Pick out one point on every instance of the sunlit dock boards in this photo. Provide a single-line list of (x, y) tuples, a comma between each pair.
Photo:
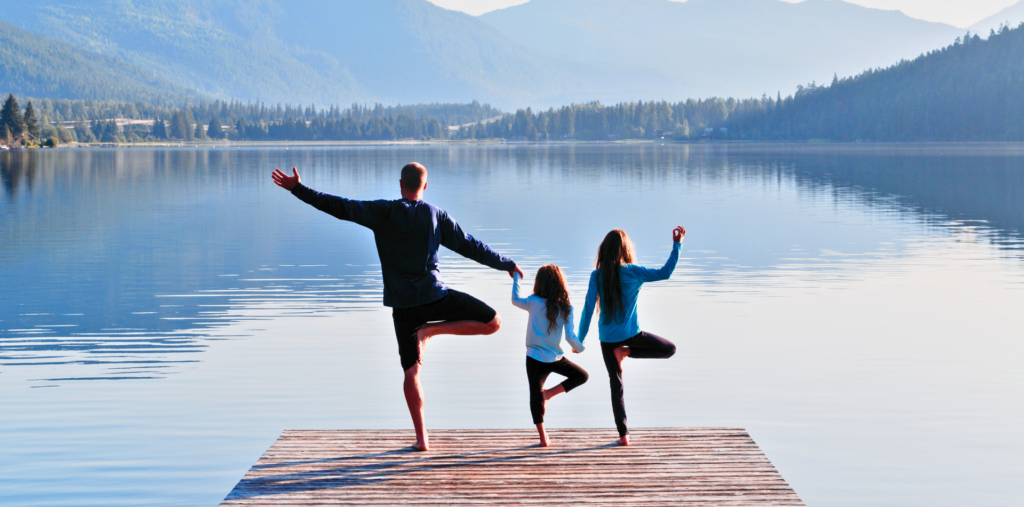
[(669, 466)]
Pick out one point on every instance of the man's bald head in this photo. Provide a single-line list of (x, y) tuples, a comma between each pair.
[(414, 176)]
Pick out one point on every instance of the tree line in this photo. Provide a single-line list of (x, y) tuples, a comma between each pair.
[(93, 121)]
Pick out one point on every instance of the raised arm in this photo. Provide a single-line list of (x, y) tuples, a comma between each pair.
[(570, 332), (365, 213), (517, 299), (652, 275), (588, 307), (454, 239)]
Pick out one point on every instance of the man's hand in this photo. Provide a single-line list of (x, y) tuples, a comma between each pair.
[(286, 182), (512, 274), (678, 234)]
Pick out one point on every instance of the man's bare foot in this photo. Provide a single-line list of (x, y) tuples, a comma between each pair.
[(421, 446), (620, 354), (623, 441)]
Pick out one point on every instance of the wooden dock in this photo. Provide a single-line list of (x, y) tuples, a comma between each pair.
[(669, 466)]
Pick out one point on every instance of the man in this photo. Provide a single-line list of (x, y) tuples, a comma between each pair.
[(408, 233)]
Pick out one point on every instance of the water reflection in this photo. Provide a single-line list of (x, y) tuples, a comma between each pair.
[(117, 264)]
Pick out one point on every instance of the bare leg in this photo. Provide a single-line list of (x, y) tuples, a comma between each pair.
[(550, 393), (414, 398), (456, 327), (620, 354), (544, 442)]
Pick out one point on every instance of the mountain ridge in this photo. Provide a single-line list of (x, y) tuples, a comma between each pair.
[(734, 47), (39, 66)]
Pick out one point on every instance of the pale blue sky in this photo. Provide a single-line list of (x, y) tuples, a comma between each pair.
[(962, 13)]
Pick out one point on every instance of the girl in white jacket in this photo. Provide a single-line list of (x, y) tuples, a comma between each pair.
[(551, 314)]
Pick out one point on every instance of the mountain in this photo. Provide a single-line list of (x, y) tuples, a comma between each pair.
[(722, 47), (968, 91), (1011, 16), (322, 51), (36, 66)]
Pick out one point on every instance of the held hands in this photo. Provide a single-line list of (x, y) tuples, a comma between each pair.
[(284, 181), (513, 273), (678, 234)]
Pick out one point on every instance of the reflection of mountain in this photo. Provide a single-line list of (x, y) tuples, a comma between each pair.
[(960, 182)]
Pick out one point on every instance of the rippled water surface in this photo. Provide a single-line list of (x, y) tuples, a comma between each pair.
[(164, 314)]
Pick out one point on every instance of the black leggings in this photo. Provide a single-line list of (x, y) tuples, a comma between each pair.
[(641, 346), (537, 372)]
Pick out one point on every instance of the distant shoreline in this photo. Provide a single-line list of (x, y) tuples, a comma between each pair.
[(500, 142)]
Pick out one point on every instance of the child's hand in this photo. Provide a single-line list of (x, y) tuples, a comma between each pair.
[(678, 234), (577, 351)]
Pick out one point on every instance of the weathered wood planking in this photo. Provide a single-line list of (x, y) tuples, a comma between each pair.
[(669, 466)]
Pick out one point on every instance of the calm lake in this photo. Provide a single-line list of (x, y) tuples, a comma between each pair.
[(166, 313)]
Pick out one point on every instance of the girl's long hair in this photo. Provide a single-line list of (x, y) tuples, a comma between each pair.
[(616, 249), (550, 285)]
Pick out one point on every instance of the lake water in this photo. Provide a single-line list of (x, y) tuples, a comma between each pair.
[(165, 313)]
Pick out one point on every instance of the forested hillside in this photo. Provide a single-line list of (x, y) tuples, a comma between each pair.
[(319, 51), (39, 66), (971, 90)]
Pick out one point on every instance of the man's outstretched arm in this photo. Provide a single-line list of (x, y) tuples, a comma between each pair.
[(456, 240), (365, 213)]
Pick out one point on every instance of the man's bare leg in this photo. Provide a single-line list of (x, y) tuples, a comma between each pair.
[(544, 442), (414, 398), (456, 327)]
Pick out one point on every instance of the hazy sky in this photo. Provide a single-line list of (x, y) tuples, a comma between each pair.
[(962, 13)]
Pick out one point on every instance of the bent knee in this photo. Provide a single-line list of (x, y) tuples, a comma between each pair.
[(670, 351), (584, 377), (494, 325)]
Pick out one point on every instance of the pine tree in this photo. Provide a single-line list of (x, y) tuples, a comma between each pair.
[(84, 133), (216, 131), (179, 128), (189, 121), (10, 117), (199, 132), (31, 121), (159, 130)]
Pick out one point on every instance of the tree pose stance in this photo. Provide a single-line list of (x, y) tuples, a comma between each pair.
[(550, 314), (408, 233), (615, 285)]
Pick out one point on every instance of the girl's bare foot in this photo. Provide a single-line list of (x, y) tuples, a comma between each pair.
[(620, 354), (550, 393), (623, 441), (544, 441), (421, 446)]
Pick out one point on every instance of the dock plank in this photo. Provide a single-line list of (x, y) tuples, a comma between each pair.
[(665, 466)]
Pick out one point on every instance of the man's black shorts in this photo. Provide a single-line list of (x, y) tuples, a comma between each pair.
[(454, 306)]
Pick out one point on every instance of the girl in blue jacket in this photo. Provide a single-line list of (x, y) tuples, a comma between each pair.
[(616, 285)]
